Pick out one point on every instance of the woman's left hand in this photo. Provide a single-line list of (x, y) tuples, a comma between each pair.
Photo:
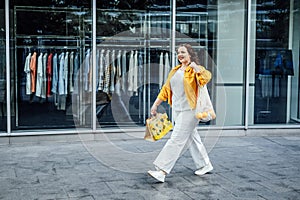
[(195, 66)]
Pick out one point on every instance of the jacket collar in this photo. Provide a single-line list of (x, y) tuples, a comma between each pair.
[(188, 68), (177, 67)]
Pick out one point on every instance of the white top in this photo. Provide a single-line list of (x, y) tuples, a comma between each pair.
[(179, 100)]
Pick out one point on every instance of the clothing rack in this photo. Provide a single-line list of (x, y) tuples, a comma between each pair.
[(47, 9), (43, 47), (110, 46)]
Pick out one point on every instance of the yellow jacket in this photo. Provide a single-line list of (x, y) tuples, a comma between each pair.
[(191, 81)]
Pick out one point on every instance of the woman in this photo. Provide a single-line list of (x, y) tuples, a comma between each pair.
[(180, 90)]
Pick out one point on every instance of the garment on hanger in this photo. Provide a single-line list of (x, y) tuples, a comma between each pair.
[(54, 88), (71, 86), (39, 77), (66, 73), (124, 71), (101, 70), (63, 80), (97, 68), (107, 72), (118, 74), (140, 76), (119, 67), (161, 70), (86, 69), (266, 85), (33, 72), (112, 72), (76, 73), (130, 72), (49, 74), (167, 67), (90, 74), (44, 76), (28, 74), (135, 72), (61, 74)]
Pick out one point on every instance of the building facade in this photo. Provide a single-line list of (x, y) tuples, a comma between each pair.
[(89, 65)]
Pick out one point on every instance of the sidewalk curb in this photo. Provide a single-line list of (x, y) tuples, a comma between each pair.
[(134, 134)]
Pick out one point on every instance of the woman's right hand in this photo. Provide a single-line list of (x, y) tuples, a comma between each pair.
[(154, 110)]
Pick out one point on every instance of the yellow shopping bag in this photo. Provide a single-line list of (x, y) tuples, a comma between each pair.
[(157, 127)]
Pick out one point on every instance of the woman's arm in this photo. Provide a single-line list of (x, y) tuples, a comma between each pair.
[(156, 103)]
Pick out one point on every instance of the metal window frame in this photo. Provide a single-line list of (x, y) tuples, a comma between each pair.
[(7, 60)]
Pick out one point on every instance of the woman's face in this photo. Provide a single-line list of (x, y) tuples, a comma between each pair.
[(183, 55)]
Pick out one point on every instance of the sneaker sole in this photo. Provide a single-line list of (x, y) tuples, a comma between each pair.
[(205, 172), (161, 181)]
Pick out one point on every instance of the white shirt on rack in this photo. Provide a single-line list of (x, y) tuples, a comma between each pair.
[(161, 69), (101, 70), (61, 84), (135, 72), (167, 67), (124, 71), (112, 71), (130, 72), (27, 71), (66, 73), (39, 76), (44, 76), (71, 86)]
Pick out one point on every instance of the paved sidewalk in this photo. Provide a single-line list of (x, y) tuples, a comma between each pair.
[(244, 168)]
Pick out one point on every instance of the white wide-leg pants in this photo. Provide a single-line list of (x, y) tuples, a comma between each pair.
[(185, 135)]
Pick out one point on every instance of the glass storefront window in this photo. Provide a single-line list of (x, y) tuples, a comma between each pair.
[(276, 81), (216, 29), (231, 65), (146, 33), (52, 71), (132, 41), (295, 85), (50, 43), (2, 69)]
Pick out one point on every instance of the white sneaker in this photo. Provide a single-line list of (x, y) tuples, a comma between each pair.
[(158, 175), (204, 170)]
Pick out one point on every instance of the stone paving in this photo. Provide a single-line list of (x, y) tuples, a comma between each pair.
[(244, 168)]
